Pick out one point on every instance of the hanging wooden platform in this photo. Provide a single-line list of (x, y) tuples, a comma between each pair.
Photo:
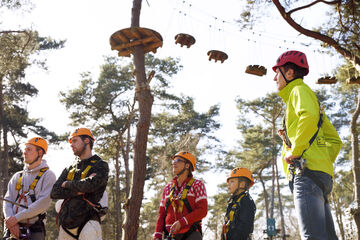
[(126, 39), (353, 80), (184, 39), (256, 70), (217, 55), (326, 80)]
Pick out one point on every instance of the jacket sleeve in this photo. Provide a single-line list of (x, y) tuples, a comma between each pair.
[(201, 206), (243, 223), (333, 141), (92, 183), (43, 200), (11, 194), (160, 223), (59, 192), (307, 110)]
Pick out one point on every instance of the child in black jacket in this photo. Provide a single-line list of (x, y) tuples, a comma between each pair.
[(240, 213)]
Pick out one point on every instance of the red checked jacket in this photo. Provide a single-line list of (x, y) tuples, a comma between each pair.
[(198, 201)]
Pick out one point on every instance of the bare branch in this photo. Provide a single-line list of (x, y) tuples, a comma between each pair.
[(316, 35)]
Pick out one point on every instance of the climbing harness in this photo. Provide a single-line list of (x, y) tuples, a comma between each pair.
[(101, 211), (230, 216), (19, 187), (182, 201)]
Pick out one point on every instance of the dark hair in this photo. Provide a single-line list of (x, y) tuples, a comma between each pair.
[(91, 141), (299, 72), (190, 169), (246, 180)]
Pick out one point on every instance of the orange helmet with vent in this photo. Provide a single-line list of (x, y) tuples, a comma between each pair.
[(40, 142), (241, 172), (81, 132), (188, 156)]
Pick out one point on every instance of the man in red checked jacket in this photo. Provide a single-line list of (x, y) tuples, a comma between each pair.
[(183, 203)]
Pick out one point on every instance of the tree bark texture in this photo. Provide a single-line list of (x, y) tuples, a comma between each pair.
[(356, 165), (145, 101), (117, 194)]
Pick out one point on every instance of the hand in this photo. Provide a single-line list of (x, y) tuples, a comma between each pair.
[(63, 184), (175, 227), (11, 221), (15, 230), (289, 158)]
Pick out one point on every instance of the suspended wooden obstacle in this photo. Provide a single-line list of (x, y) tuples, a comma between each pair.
[(256, 70), (326, 80), (353, 80), (217, 55), (184, 39), (126, 39)]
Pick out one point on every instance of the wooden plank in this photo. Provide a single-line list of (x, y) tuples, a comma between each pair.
[(135, 32), (152, 47)]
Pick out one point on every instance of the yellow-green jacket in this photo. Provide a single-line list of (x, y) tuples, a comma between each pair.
[(302, 116)]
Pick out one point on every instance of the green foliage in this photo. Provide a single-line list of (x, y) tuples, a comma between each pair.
[(217, 210)]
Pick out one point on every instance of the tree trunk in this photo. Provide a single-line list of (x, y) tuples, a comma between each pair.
[(265, 194), (355, 211), (2, 183), (117, 194), (338, 214), (283, 230), (145, 101)]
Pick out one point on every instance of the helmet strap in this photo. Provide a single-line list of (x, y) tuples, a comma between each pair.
[(182, 171), (37, 158), (287, 81), (237, 191)]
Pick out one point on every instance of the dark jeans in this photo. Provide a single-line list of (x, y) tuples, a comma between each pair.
[(313, 211), (193, 236)]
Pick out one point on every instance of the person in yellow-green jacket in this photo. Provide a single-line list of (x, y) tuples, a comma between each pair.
[(311, 145)]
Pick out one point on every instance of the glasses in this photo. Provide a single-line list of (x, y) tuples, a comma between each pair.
[(177, 160)]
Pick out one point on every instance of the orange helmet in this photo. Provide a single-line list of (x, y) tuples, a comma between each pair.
[(81, 132), (40, 142), (188, 156), (242, 172)]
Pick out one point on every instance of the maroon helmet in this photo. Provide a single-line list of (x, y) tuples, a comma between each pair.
[(296, 57)]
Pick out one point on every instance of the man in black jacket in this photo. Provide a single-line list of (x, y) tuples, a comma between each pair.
[(81, 186)]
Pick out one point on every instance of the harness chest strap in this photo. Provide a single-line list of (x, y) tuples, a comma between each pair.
[(230, 217), (183, 199), (32, 186), (19, 185), (71, 174)]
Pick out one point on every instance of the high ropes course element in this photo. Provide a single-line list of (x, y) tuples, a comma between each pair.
[(126, 39)]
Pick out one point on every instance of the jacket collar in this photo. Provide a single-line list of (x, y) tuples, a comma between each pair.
[(285, 92)]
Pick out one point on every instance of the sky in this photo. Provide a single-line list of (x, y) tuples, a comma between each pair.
[(87, 26)]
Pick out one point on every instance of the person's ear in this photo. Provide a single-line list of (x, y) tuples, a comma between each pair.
[(289, 73)]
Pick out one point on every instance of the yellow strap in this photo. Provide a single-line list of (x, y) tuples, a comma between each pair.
[(230, 218), (33, 185), (71, 174), (18, 183), (184, 194), (84, 173)]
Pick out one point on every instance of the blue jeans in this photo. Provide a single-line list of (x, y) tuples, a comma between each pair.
[(313, 212)]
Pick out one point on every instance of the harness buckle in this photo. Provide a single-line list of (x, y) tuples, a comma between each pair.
[(298, 164), (24, 233)]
